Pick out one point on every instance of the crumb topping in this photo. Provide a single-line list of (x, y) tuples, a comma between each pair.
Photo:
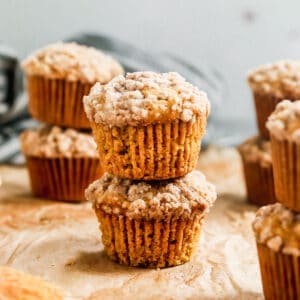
[(278, 228), (257, 150), (142, 98), (72, 62), (280, 79), (284, 122), (152, 200), (57, 142)]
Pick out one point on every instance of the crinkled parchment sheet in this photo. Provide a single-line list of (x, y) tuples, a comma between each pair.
[(61, 243)]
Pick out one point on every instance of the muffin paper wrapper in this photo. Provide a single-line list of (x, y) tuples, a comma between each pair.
[(259, 182), (149, 243), (264, 105), (62, 178), (280, 274), (57, 101), (159, 151), (286, 168)]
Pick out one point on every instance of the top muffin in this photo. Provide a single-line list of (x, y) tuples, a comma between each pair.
[(280, 79), (284, 122), (278, 228), (142, 98), (72, 62)]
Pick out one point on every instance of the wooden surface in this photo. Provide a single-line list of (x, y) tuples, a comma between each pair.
[(61, 243)]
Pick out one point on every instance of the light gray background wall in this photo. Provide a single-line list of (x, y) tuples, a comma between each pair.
[(233, 35)]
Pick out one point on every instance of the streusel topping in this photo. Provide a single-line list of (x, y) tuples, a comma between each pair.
[(256, 149), (152, 200), (278, 228), (72, 62), (284, 122), (142, 98), (56, 142), (280, 79)]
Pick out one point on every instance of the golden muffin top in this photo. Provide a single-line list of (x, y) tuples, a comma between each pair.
[(57, 142), (143, 98), (72, 62), (280, 79), (256, 149), (278, 228), (20, 286), (284, 122), (164, 199)]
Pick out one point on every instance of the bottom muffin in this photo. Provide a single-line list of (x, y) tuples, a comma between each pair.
[(61, 163), (277, 231), (151, 224), (258, 170)]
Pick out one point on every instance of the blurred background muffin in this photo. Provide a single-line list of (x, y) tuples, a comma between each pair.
[(284, 127), (59, 75), (60, 162), (16, 285), (277, 232), (258, 171), (271, 84)]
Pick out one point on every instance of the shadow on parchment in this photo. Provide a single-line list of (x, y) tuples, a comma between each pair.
[(98, 263)]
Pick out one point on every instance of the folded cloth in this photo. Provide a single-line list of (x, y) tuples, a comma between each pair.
[(205, 77)]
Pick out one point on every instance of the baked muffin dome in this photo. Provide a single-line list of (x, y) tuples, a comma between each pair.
[(143, 98), (73, 62)]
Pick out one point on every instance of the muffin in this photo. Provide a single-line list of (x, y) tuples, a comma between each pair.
[(59, 75), (284, 127), (277, 231), (271, 84), (15, 285), (147, 125), (151, 224), (258, 171), (61, 163)]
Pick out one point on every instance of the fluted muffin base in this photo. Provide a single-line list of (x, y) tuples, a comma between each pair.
[(58, 101), (286, 167), (62, 179), (151, 244), (159, 151), (264, 104), (259, 182), (280, 274)]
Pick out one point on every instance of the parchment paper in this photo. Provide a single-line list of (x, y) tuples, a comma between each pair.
[(61, 243)]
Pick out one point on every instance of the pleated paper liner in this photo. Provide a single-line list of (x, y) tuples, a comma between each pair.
[(265, 105), (280, 274), (259, 182), (149, 243), (286, 168), (58, 101), (153, 152), (62, 179)]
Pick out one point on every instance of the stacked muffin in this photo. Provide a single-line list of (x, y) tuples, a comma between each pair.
[(277, 226), (270, 84), (150, 203), (62, 161)]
